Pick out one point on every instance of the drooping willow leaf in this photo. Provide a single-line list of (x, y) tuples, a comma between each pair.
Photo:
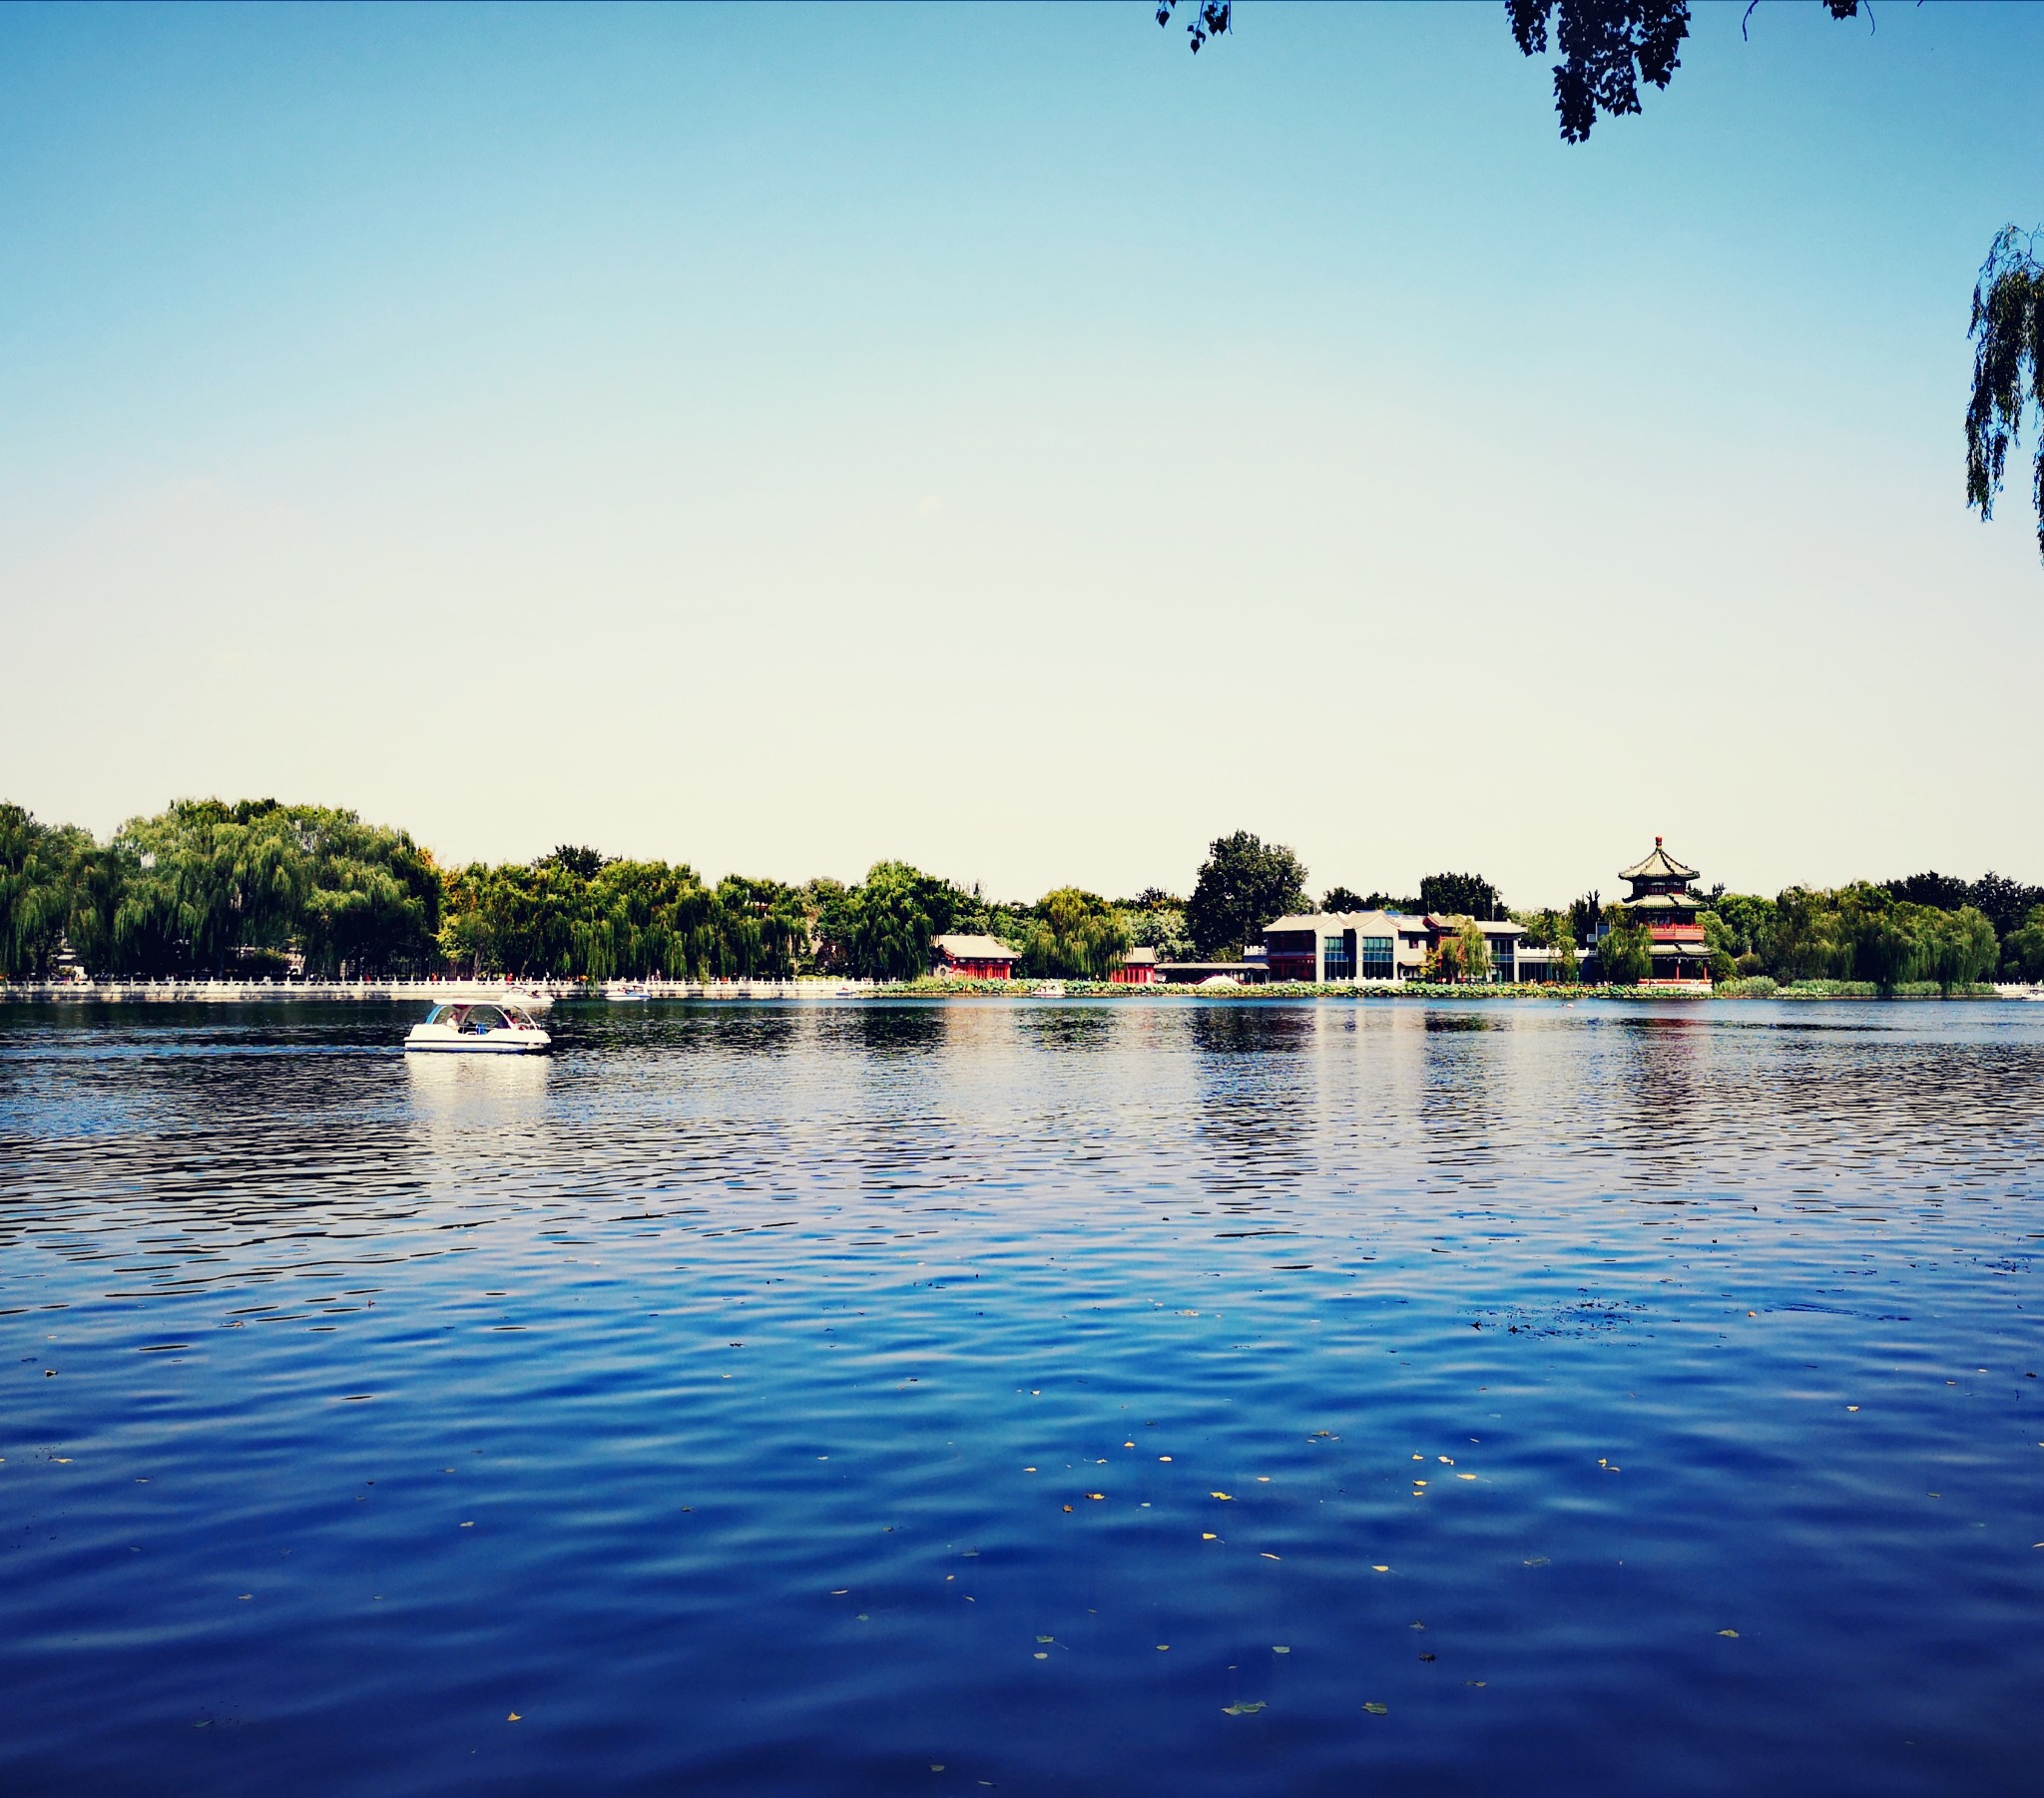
[(2008, 366)]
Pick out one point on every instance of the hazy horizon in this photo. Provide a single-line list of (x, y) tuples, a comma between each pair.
[(779, 439)]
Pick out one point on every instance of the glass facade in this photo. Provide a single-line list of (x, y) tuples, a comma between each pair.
[(1376, 958), (1338, 956)]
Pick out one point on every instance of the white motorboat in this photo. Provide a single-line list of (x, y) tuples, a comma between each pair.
[(627, 993), (476, 1026)]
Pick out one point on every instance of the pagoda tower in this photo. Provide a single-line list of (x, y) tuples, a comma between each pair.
[(1662, 901)]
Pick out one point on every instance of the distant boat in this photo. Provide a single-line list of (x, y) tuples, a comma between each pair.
[(477, 1028), (628, 993)]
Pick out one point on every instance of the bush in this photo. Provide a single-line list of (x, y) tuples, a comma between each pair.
[(1747, 986)]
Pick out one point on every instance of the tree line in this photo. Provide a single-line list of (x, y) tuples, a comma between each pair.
[(257, 887)]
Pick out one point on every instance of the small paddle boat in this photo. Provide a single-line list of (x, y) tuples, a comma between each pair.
[(474, 1028)]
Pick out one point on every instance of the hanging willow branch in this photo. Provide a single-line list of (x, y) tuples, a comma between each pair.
[(2008, 366)]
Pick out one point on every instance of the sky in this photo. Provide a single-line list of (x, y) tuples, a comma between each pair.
[(780, 438)]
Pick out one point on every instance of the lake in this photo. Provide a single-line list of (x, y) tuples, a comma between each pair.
[(1135, 1397)]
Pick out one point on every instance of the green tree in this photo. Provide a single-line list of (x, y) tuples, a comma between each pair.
[(2008, 367), (1625, 953), (1075, 936), (1242, 885), (36, 868), (1475, 952), (1960, 947), (1156, 920), (2023, 947), (1461, 896)]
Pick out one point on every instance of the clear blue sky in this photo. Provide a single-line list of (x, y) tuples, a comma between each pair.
[(779, 438)]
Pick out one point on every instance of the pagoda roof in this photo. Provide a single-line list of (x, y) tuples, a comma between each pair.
[(1658, 867), (1662, 902)]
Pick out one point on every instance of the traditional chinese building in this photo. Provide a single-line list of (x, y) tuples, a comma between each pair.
[(1138, 968), (971, 958), (1662, 901)]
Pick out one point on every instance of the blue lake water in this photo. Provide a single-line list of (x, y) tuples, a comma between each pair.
[(1059, 1399)]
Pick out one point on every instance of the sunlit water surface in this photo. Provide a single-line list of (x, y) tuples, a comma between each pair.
[(1065, 1399)]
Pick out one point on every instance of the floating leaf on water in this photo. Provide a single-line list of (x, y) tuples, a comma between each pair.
[(1068, 1507), (1732, 1632), (1041, 1656), (1243, 1707), (1208, 1536), (1538, 1560), (1164, 1647), (1096, 1494), (1267, 1556), (1381, 1570), (1472, 1476), (1378, 1710), (1221, 1495), (1046, 1638), (936, 1766), (1851, 1407), (514, 1717), (1279, 1649)]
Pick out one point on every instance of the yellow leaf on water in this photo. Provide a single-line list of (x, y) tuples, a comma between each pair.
[(1381, 1570), (1465, 1476), (1267, 1556), (1208, 1536), (1732, 1632), (512, 1718), (1046, 1638), (1096, 1494), (1221, 1495)]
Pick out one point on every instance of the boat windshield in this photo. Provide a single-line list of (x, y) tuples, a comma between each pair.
[(478, 1020)]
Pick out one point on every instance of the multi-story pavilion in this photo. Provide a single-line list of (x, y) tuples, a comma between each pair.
[(1662, 901)]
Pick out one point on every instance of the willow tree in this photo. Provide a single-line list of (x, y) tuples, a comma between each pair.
[(2008, 367)]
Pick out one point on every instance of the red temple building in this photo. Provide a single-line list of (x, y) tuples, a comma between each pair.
[(1662, 901), (971, 958)]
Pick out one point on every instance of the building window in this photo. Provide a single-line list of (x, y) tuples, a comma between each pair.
[(1338, 955), (1376, 958)]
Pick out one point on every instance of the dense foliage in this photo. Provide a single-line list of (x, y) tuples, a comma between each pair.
[(2008, 366), (1854, 933), (1242, 885), (1461, 896), (212, 888), (258, 887)]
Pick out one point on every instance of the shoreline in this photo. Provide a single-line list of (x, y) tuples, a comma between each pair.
[(819, 988)]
